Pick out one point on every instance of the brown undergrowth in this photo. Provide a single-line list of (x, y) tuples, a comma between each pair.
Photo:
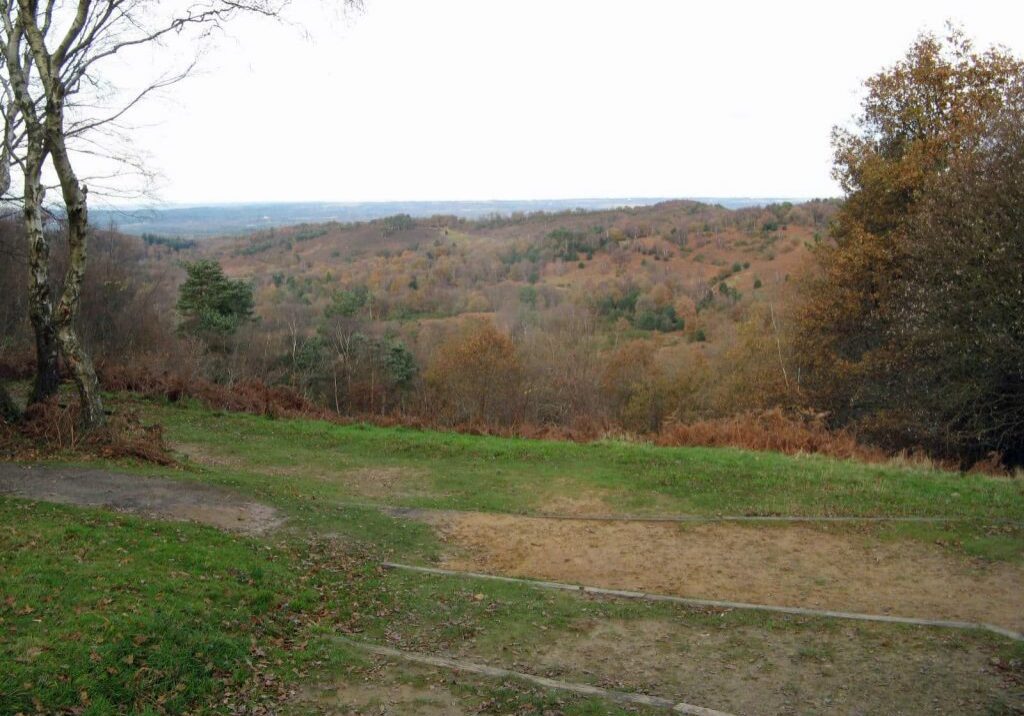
[(244, 396), (788, 432), (49, 428), (775, 430)]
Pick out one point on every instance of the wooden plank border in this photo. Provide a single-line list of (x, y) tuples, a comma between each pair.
[(715, 603), (444, 662)]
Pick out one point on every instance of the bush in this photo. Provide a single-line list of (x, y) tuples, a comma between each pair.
[(662, 319), (774, 430), (476, 376), (49, 429)]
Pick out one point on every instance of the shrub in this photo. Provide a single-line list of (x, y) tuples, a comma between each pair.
[(662, 319), (475, 377), (50, 429)]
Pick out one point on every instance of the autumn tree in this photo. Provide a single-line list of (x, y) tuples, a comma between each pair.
[(753, 370), (632, 383), (476, 376), (911, 329), (957, 334), (559, 354)]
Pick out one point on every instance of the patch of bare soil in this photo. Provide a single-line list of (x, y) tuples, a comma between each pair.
[(397, 699), (751, 671), (151, 496), (384, 691), (791, 566), (200, 454)]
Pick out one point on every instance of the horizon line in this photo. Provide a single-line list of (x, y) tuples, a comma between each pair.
[(358, 202)]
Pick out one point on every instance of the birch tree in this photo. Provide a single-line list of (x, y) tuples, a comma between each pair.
[(23, 147), (56, 56), (8, 410)]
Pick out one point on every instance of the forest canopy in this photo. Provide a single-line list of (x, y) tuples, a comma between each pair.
[(912, 330)]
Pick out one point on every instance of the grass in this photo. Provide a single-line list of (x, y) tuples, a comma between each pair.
[(518, 475), (308, 459), (100, 611), (104, 613)]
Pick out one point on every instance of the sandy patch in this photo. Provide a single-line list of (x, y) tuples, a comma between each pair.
[(792, 566), (200, 454), (754, 671), (150, 496), (392, 699)]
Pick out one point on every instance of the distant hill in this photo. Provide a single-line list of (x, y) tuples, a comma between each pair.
[(681, 272), (196, 221)]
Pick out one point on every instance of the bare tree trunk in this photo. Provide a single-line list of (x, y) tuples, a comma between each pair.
[(46, 137), (40, 301), (778, 346), (77, 359), (8, 408), (40, 297), (47, 379)]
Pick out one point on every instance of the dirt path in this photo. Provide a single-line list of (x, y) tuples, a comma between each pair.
[(769, 672), (150, 496), (790, 566)]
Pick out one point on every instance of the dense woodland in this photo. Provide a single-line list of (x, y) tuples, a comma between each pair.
[(626, 318), (894, 315)]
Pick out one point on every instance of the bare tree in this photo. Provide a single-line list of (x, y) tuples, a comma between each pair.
[(55, 59), (23, 147), (13, 302), (8, 410)]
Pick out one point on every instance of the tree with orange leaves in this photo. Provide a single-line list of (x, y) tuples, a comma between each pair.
[(476, 377), (911, 328)]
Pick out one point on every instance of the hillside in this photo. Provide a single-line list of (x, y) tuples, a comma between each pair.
[(628, 317), (696, 259)]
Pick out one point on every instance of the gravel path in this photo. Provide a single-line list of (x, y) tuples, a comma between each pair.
[(149, 496)]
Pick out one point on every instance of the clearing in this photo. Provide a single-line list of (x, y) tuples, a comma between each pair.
[(269, 540)]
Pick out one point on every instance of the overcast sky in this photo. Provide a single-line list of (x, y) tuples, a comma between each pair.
[(503, 99)]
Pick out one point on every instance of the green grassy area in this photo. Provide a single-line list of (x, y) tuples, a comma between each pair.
[(104, 613), (107, 613), (302, 460), (457, 471)]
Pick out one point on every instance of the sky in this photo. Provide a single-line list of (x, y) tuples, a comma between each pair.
[(528, 99)]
